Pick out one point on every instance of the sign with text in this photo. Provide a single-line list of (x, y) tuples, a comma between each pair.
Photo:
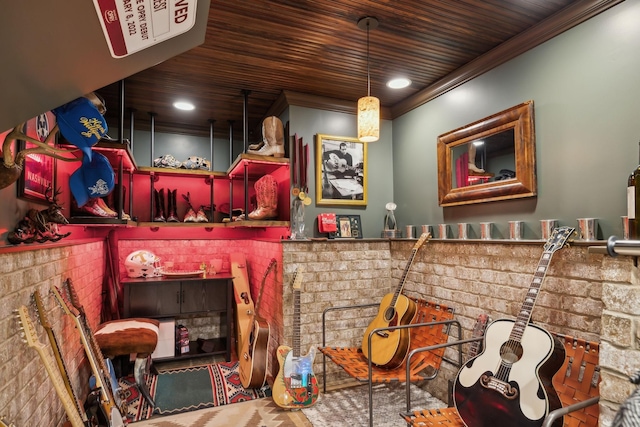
[(133, 25)]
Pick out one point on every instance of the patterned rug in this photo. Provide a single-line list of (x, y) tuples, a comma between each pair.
[(348, 407), (189, 389), (254, 413)]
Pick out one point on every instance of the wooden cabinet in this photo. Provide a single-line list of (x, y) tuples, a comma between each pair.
[(162, 297)]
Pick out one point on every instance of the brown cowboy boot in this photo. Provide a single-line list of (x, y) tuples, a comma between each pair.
[(272, 138), (267, 198)]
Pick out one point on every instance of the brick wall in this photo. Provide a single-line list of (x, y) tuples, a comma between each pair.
[(588, 295), (27, 395), (584, 295)]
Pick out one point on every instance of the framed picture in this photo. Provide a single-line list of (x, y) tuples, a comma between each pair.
[(341, 171), (38, 172), (349, 227)]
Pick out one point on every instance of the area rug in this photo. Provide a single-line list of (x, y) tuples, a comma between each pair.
[(348, 407), (189, 389), (254, 413)]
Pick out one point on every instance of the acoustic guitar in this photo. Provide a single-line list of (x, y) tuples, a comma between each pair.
[(254, 353), (510, 382), (31, 337), (296, 385), (389, 348), (336, 164), (242, 298)]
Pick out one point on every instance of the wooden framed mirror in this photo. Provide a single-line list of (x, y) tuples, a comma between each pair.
[(488, 160)]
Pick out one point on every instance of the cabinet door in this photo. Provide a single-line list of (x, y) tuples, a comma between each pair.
[(204, 295), (215, 298), (154, 299), (192, 297)]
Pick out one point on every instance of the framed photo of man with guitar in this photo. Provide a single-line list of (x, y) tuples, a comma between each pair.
[(341, 171)]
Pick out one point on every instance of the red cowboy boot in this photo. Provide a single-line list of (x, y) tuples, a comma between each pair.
[(267, 198)]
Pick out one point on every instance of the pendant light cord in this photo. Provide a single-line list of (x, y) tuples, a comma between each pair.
[(368, 73)]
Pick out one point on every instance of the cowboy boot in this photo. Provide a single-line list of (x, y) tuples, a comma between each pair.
[(267, 198), (272, 137), (201, 216), (159, 197), (472, 160), (172, 208), (256, 146), (190, 216)]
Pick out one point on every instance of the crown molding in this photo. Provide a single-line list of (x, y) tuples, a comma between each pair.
[(562, 21)]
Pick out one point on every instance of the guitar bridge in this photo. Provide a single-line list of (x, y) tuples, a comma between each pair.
[(505, 389), (383, 334)]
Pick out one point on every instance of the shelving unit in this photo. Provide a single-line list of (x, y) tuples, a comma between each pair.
[(250, 168), (247, 167)]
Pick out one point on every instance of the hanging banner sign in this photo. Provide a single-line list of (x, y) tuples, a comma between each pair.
[(133, 25)]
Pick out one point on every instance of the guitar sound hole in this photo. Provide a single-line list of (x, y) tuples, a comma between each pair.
[(511, 351), (389, 314)]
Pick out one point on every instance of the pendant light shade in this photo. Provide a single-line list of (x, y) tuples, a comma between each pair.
[(368, 119), (368, 106)]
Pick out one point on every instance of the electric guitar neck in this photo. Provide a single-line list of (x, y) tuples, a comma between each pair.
[(109, 400), (31, 337), (55, 347)]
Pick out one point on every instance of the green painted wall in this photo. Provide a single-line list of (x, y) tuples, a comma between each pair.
[(585, 84)]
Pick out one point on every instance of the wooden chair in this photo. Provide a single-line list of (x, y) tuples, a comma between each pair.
[(576, 383), (432, 325)]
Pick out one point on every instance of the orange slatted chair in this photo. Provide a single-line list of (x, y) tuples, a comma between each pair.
[(576, 383), (431, 325)]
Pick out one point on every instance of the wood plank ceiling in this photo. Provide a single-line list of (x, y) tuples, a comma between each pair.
[(316, 48)]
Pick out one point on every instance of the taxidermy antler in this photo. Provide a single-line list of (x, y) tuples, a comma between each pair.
[(11, 167)]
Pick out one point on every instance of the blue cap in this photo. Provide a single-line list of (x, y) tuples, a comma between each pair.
[(94, 178), (81, 124)]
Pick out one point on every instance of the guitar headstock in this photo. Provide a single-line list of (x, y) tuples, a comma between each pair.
[(559, 238), (64, 302), (44, 320), (424, 237), (73, 296), (297, 278), (271, 265), (29, 329)]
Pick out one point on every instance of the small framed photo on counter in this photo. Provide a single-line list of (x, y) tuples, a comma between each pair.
[(349, 227)]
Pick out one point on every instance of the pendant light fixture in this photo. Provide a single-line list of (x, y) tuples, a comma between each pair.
[(368, 106)]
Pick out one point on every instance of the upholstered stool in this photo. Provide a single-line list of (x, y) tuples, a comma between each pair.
[(131, 336)]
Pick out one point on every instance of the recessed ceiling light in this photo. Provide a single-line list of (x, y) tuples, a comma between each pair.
[(399, 83), (184, 105)]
